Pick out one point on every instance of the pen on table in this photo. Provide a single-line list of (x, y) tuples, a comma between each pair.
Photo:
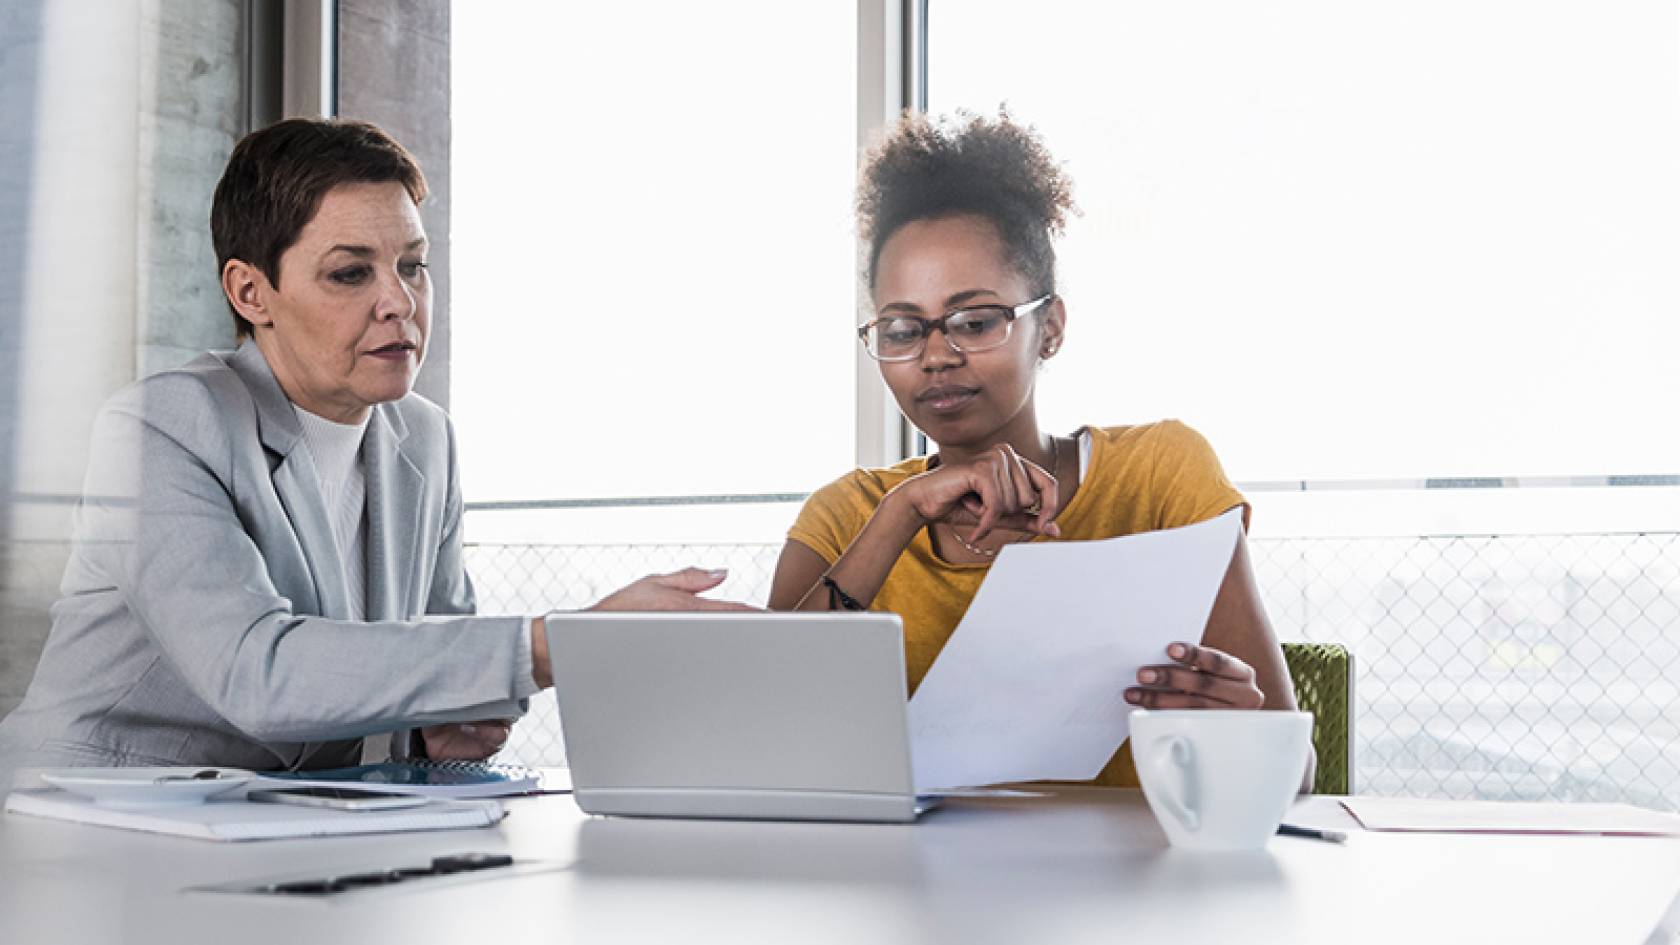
[(1312, 833)]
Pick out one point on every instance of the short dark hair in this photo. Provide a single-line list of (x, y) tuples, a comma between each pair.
[(276, 177), (991, 167)]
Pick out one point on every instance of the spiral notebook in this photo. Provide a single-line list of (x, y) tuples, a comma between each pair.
[(239, 819), (455, 779)]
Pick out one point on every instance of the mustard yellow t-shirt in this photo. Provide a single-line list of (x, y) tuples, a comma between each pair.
[(1141, 478)]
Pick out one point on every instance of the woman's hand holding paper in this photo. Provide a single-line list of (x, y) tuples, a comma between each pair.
[(1200, 677)]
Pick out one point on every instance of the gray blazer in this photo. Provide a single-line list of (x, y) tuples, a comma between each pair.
[(204, 618)]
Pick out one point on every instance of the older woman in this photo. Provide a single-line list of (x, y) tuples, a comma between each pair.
[(264, 535), (959, 219)]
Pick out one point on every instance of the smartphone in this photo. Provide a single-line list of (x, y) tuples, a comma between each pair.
[(336, 798)]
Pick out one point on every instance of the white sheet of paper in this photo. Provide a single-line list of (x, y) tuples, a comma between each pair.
[(1450, 816), (1031, 685)]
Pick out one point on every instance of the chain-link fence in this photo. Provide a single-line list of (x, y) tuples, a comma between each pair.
[(1490, 666)]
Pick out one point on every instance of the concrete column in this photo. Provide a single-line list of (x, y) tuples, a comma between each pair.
[(191, 114), (119, 117)]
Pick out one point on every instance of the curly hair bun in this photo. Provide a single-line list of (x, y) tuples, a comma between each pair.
[(992, 167)]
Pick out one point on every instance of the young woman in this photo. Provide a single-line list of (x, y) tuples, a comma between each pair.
[(959, 219)]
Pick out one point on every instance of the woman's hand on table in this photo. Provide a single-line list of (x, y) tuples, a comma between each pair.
[(1200, 677), (466, 741), (995, 489)]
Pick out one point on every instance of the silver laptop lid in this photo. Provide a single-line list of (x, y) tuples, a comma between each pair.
[(781, 715)]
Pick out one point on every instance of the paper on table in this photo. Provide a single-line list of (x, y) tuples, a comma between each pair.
[(1446, 816), (1031, 685)]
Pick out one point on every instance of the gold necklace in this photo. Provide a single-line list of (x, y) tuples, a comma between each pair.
[(1055, 455)]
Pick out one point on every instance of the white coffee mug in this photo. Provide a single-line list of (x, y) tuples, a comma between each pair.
[(1220, 779)]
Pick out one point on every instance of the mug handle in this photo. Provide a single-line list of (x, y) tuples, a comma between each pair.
[(1177, 752)]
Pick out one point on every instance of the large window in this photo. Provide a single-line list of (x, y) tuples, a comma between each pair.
[(1372, 250), (654, 262), (1358, 241)]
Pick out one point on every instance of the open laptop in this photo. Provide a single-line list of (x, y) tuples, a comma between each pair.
[(779, 716)]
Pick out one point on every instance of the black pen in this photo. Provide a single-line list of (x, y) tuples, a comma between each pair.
[(1312, 833)]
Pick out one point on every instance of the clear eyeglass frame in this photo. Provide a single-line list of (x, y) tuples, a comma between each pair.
[(868, 334)]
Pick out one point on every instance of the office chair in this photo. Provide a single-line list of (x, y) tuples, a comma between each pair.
[(1323, 678)]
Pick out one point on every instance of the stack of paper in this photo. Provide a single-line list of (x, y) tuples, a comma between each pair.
[(1446, 816)]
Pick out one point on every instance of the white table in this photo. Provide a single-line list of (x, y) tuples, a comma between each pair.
[(1087, 865)]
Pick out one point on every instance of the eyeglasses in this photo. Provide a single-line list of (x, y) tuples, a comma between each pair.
[(978, 328)]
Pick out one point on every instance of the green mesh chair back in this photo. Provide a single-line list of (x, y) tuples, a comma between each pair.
[(1323, 677)]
